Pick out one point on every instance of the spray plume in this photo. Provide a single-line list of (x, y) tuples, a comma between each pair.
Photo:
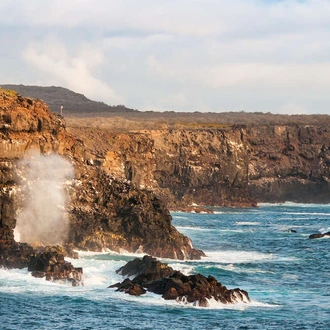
[(43, 218)]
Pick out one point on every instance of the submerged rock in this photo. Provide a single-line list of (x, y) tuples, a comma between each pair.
[(157, 277), (319, 235)]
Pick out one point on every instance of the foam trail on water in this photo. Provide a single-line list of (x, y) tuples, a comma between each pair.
[(43, 217)]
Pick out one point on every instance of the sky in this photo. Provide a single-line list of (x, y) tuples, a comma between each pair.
[(174, 55)]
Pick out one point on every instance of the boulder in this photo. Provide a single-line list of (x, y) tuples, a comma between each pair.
[(129, 287)]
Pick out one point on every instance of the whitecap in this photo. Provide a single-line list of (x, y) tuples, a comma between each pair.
[(179, 228), (292, 204), (233, 257), (247, 223), (179, 217), (324, 230), (307, 213)]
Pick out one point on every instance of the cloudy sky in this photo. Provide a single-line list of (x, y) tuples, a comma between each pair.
[(180, 55)]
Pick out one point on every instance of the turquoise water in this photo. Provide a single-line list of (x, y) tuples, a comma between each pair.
[(286, 274)]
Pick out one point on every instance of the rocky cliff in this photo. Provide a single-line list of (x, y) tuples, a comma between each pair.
[(104, 212), (124, 181), (234, 166)]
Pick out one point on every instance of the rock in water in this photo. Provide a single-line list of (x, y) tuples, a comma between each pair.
[(319, 235), (157, 277), (50, 264)]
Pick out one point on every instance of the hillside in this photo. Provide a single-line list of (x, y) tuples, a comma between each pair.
[(73, 103), (80, 111)]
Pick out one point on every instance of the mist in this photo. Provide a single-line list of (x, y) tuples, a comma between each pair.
[(43, 217)]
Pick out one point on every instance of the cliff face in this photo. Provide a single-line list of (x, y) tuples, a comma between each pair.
[(104, 212), (183, 167), (290, 163), (237, 166)]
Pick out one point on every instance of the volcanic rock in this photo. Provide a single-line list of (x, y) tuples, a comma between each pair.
[(159, 278), (50, 264), (319, 235), (108, 214)]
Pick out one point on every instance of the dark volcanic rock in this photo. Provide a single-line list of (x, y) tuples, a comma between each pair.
[(157, 277), (50, 263), (129, 287), (319, 235), (13, 254), (109, 214)]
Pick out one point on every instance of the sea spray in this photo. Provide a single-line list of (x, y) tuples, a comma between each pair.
[(43, 218)]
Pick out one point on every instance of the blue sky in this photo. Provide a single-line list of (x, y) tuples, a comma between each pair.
[(178, 55)]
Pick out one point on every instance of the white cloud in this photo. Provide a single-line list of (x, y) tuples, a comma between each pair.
[(218, 54), (74, 71)]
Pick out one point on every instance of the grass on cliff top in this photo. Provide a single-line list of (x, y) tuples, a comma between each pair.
[(120, 124), (8, 92)]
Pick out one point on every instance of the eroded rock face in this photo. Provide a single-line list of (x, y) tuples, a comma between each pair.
[(234, 166), (290, 163), (183, 167), (13, 254), (154, 276)]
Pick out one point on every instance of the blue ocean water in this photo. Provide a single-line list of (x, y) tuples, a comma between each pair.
[(286, 275)]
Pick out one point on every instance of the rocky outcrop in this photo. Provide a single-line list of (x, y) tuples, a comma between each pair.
[(13, 254), (108, 214), (50, 263), (105, 213), (154, 276)]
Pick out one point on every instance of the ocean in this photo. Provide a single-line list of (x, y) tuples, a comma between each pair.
[(286, 274)]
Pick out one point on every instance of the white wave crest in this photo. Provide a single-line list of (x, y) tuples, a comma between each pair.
[(179, 228), (247, 223), (233, 257)]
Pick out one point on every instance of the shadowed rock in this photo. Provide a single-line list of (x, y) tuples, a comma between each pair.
[(50, 264), (319, 235), (157, 277)]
